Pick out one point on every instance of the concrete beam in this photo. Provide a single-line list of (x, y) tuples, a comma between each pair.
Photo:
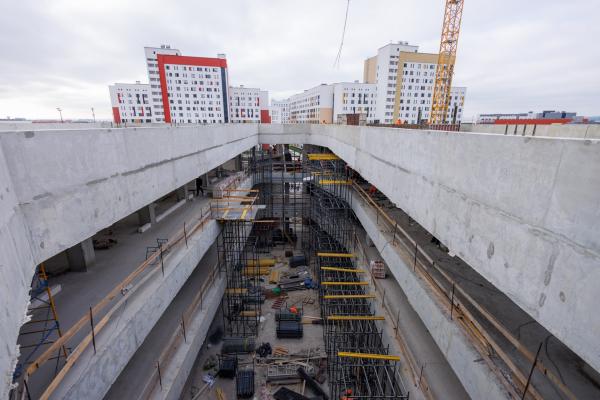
[(107, 174), (522, 211)]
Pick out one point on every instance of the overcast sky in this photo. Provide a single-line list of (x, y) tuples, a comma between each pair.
[(514, 55)]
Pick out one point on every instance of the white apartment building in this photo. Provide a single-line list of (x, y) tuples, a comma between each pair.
[(131, 103), (248, 105), (194, 89), (313, 106), (154, 77), (404, 79), (280, 111), (354, 98)]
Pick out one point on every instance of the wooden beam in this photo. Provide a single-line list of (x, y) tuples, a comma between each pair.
[(368, 356)]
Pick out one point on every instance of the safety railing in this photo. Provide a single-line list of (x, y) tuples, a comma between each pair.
[(178, 336), (92, 323), (459, 302)]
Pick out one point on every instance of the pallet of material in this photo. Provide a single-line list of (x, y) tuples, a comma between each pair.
[(289, 329), (378, 269), (274, 276)]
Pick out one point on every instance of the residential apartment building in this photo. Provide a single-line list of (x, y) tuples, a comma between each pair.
[(354, 98), (404, 79), (131, 103), (280, 111), (248, 105), (194, 89), (313, 106), (151, 54)]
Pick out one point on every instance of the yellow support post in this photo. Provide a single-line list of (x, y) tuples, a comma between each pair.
[(344, 283), (322, 156), (340, 255), (348, 296), (334, 182), (368, 356), (355, 318), (262, 262), (356, 271)]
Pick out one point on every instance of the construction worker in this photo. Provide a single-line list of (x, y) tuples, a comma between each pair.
[(199, 188)]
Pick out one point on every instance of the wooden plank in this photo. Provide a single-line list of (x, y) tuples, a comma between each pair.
[(368, 356)]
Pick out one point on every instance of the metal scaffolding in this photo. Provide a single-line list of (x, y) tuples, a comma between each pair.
[(359, 364)]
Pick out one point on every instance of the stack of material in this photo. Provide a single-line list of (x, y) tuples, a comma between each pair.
[(228, 367), (289, 329), (286, 374), (237, 345), (297, 261), (280, 351), (378, 269), (285, 315), (287, 394), (296, 281), (244, 384)]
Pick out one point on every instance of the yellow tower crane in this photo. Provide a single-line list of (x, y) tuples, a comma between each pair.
[(446, 58)]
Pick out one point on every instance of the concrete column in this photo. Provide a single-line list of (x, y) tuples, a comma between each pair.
[(81, 256), (238, 163), (182, 192), (147, 214)]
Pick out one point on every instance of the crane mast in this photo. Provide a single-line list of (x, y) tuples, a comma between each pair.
[(446, 58)]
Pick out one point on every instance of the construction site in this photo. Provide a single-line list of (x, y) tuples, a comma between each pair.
[(330, 266), (302, 261)]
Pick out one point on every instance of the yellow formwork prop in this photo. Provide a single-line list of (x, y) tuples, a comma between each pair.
[(348, 296), (252, 271), (368, 356), (334, 182), (340, 255), (356, 271), (236, 291), (263, 262), (344, 283), (322, 156), (355, 318)]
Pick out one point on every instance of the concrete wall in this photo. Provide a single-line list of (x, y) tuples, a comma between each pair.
[(16, 261), (576, 131), (70, 184), (522, 211)]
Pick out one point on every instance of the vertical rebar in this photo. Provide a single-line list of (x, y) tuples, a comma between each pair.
[(452, 302), (537, 354), (159, 375), (183, 328), (415, 262), (162, 264), (93, 332), (27, 389), (185, 235)]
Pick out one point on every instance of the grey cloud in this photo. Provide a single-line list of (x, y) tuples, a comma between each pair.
[(513, 55)]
